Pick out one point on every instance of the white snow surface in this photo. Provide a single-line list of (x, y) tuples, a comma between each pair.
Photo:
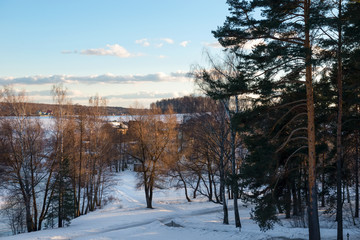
[(126, 217)]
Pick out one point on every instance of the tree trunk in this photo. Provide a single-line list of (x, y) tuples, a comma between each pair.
[(323, 182), (147, 188), (210, 190), (288, 200), (60, 207), (29, 220), (186, 192), (350, 205), (185, 187), (196, 187), (217, 200), (80, 169), (235, 187), (295, 199), (83, 203), (148, 197), (357, 176), (234, 184), (339, 201), (222, 186), (300, 208), (314, 228)]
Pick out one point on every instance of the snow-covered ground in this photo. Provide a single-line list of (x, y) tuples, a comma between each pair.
[(126, 217)]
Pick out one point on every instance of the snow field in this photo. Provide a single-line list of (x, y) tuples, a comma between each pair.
[(126, 217)]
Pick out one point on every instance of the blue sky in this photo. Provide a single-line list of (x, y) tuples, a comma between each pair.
[(124, 50)]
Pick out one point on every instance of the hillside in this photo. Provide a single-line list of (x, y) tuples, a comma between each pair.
[(126, 217)]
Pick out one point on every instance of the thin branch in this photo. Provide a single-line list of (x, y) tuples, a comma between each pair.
[(291, 139)]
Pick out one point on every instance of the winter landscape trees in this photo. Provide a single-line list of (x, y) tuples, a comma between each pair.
[(278, 129), (154, 138), (48, 167)]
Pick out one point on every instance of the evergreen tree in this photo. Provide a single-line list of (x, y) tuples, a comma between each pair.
[(282, 54), (62, 204)]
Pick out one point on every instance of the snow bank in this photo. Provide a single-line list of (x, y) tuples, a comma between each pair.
[(127, 217)]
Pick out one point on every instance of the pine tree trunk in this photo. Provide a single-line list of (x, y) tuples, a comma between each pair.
[(323, 182), (288, 200), (300, 208), (339, 201), (222, 185), (295, 199), (60, 220), (314, 228), (235, 189), (357, 176)]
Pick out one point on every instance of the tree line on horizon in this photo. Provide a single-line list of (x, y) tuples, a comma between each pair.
[(34, 108), (186, 104)]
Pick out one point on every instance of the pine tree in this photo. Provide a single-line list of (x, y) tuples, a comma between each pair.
[(62, 205), (282, 38)]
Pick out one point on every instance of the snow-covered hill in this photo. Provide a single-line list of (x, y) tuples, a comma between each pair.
[(126, 217)]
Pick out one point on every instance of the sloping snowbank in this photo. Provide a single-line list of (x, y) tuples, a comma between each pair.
[(127, 217)]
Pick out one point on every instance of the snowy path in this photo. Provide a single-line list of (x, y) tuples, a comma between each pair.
[(128, 218)]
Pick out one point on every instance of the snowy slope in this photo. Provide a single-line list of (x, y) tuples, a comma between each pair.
[(127, 217)]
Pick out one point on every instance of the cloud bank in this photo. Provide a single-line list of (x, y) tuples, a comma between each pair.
[(94, 79), (146, 95)]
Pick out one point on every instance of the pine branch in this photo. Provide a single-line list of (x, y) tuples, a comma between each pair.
[(292, 139), (288, 123)]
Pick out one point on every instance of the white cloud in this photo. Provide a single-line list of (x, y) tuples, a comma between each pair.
[(167, 40), (184, 43), (47, 93), (143, 42), (146, 95), (162, 56), (110, 50), (96, 79)]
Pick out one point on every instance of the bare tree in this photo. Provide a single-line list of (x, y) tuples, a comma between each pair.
[(97, 151), (153, 136), (61, 114), (24, 159)]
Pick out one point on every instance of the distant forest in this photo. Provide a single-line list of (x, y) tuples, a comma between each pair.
[(34, 108), (186, 104)]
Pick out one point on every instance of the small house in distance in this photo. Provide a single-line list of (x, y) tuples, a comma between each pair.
[(45, 113), (119, 126)]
